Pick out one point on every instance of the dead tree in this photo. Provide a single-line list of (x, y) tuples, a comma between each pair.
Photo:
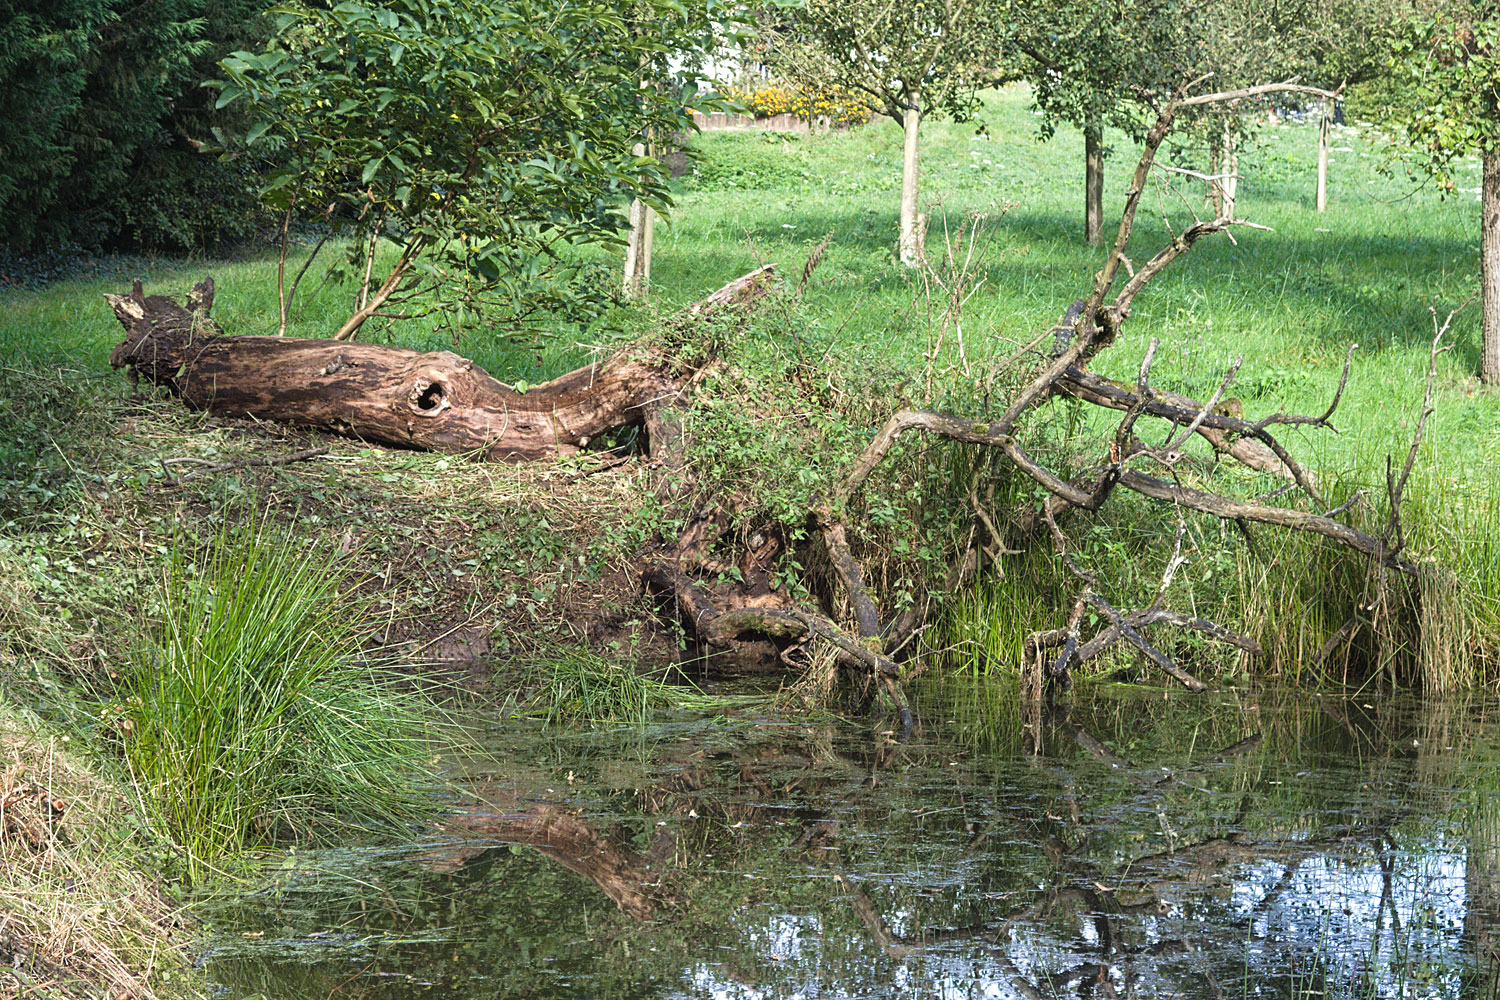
[(441, 401), (1091, 325)]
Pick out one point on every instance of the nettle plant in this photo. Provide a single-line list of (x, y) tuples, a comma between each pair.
[(477, 138)]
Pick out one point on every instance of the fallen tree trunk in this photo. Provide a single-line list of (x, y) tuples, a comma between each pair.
[(435, 401), (440, 401)]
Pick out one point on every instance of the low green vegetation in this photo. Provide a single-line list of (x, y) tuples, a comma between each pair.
[(581, 687), (245, 717)]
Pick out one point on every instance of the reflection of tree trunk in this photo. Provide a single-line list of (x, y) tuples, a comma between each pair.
[(1489, 266), (1482, 886), (1323, 159), (913, 223), (1093, 185)]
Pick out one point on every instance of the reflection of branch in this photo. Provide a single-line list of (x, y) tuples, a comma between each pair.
[(561, 834)]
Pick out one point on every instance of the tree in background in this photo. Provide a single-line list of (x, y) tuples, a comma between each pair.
[(1451, 64), (479, 138), (180, 195), (1091, 65), (1095, 64), (910, 59), (84, 85)]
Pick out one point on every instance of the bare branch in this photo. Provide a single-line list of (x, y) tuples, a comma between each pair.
[(1174, 443), (1224, 507), (1286, 87), (1156, 656)]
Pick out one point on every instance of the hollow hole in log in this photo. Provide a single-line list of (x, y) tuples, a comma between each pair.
[(431, 397), (626, 439)]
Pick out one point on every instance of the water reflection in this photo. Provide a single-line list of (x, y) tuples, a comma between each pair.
[(1159, 846)]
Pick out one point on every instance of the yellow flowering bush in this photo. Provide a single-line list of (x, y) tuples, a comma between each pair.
[(838, 105)]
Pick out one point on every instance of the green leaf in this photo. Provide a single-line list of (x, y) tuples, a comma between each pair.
[(370, 169)]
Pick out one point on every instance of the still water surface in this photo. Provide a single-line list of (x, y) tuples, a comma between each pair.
[(1159, 845)]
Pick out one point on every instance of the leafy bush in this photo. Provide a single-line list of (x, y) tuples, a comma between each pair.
[(482, 138), (243, 714)]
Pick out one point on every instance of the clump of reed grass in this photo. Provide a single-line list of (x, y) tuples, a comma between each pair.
[(578, 686), (246, 714)]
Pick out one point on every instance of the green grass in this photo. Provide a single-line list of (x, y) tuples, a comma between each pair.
[(576, 686), (1367, 271), (245, 716)]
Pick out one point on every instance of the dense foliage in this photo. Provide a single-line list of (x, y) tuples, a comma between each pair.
[(1452, 72), (479, 137), (98, 113)]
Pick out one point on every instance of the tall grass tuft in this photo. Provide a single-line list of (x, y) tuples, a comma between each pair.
[(246, 715), (579, 686)]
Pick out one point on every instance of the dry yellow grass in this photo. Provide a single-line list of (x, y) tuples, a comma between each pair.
[(76, 918)]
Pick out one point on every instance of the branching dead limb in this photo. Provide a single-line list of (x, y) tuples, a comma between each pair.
[(1090, 326), (719, 627), (866, 615)]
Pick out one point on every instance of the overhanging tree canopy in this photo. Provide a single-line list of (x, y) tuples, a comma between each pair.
[(477, 136)]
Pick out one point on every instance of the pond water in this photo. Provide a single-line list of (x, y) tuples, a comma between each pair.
[(1158, 845)]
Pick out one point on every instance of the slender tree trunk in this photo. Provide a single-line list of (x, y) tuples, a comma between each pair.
[(1489, 266), (1093, 185), (639, 245), (286, 239), (1231, 162), (1323, 158), (913, 223), (638, 250), (1213, 192)]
